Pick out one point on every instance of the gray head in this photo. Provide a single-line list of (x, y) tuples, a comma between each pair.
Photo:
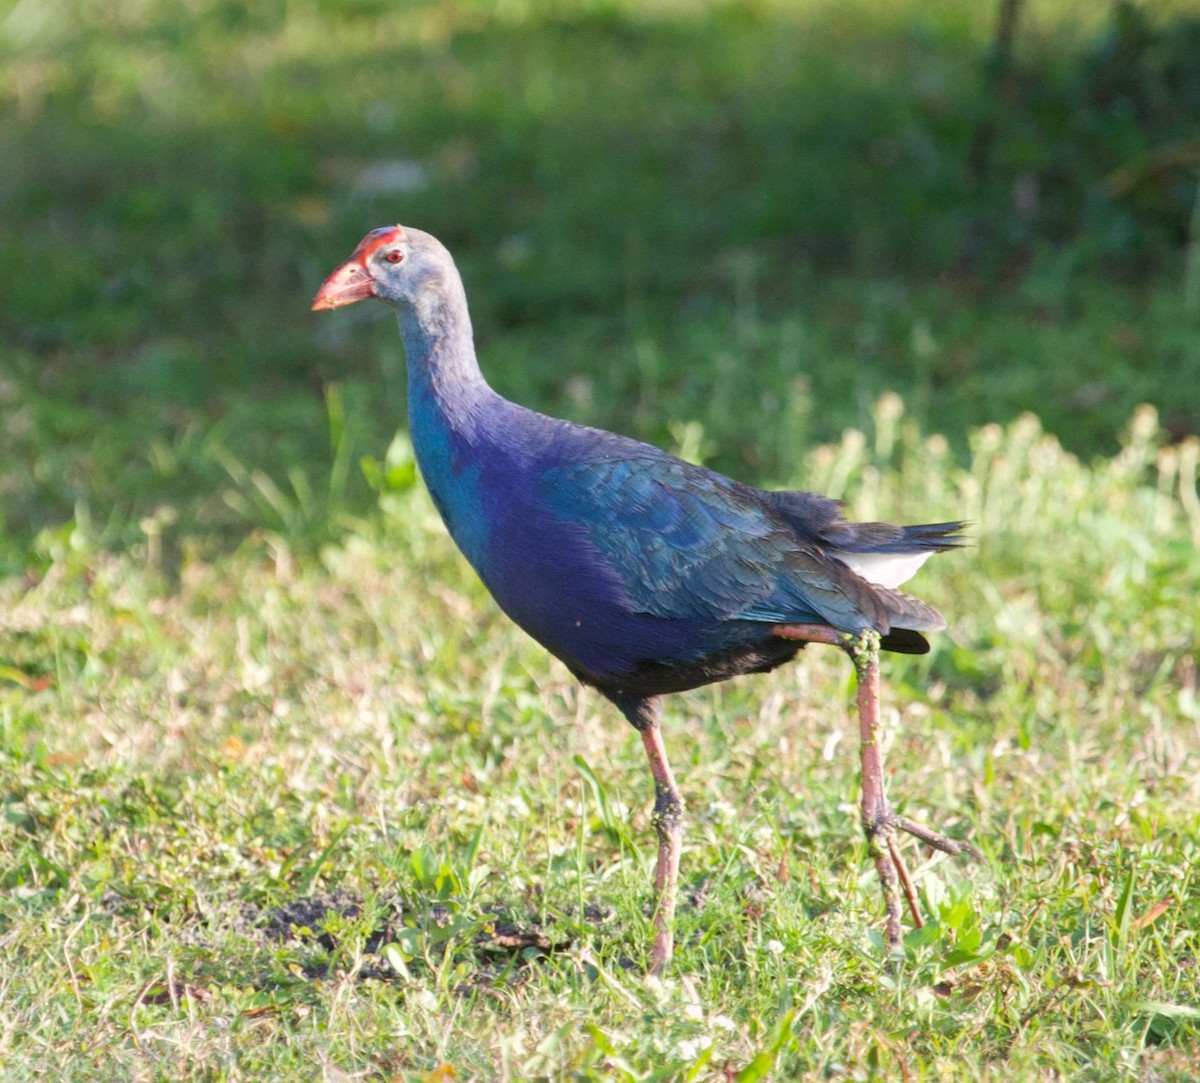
[(397, 264)]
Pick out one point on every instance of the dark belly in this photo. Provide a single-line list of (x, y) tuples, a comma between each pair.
[(657, 678)]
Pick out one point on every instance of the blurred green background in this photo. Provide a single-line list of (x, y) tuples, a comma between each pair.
[(757, 216)]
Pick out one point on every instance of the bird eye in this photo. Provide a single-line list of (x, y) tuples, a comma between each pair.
[(394, 256)]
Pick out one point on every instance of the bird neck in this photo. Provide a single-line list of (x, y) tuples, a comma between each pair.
[(451, 410), (443, 374)]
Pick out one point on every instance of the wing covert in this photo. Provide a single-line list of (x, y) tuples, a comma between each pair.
[(686, 543)]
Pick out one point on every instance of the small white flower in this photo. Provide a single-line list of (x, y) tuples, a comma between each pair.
[(691, 1048), (774, 947)]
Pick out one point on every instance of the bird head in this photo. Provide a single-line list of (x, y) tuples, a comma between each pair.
[(394, 263)]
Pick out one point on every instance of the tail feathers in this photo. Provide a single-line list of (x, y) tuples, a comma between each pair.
[(904, 641), (874, 558), (886, 538), (818, 520), (883, 569), (894, 554)]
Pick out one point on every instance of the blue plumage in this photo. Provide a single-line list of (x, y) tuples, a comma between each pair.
[(582, 535), (643, 573)]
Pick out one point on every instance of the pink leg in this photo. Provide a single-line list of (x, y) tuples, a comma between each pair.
[(668, 823), (874, 801), (879, 822), (645, 715)]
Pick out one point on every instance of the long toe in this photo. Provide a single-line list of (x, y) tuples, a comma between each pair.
[(938, 841)]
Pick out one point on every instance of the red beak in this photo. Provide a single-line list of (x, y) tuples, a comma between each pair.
[(349, 283)]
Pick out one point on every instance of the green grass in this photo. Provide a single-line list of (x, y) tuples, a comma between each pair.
[(266, 815), (284, 796)]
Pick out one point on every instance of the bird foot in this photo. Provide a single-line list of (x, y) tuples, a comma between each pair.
[(893, 873), (881, 824)]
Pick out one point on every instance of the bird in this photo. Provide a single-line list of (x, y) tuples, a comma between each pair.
[(644, 574)]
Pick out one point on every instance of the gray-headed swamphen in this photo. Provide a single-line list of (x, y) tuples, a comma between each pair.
[(642, 573)]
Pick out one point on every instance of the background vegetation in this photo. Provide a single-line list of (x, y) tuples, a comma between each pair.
[(284, 795)]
